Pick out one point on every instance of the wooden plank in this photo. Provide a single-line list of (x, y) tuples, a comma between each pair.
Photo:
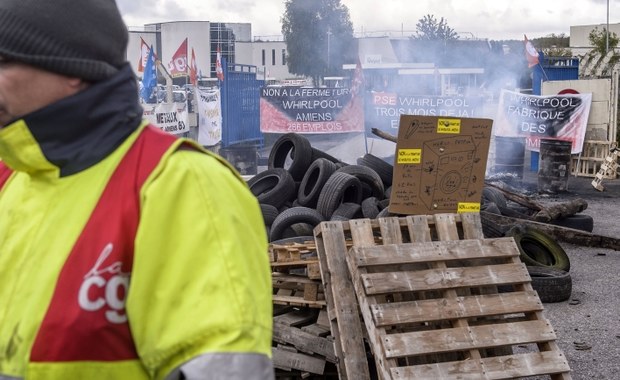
[(392, 314), (390, 231), (435, 251), (445, 224), (569, 235), (444, 278), (279, 278), (467, 338), (329, 320), (318, 330), (529, 364), (446, 230), (472, 226), (311, 292), (294, 263), (297, 301), (304, 341), (287, 360), (332, 245), (500, 367), (296, 317), (362, 235), (419, 231)]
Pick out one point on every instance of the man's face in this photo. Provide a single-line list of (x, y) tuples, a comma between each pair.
[(24, 89)]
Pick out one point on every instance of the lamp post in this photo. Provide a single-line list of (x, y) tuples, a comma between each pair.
[(329, 33), (607, 31)]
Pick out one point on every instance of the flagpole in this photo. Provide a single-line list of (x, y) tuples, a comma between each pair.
[(156, 82), (187, 58), (543, 71)]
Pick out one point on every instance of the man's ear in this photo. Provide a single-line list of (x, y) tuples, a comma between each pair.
[(78, 84)]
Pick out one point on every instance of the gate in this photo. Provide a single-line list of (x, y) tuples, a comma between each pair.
[(240, 106)]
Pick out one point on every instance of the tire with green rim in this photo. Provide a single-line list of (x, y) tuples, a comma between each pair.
[(539, 249)]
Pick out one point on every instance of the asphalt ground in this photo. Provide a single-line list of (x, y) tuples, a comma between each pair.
[(588, 324)]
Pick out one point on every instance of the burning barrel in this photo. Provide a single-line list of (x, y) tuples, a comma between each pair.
[(554, 166), (509, 155)]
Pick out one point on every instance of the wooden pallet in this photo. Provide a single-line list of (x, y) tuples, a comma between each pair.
[(609, 169), (295, 258), (430, 303), (297, 291), (302, 347), (589, 163)]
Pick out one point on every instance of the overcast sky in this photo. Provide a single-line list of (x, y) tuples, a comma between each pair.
[(492, 19)]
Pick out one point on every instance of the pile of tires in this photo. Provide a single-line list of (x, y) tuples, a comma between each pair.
[(304, 186)]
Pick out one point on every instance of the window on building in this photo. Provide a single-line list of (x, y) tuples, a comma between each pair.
[(221, 37), (283, 57), (263, 57), (273, 57)]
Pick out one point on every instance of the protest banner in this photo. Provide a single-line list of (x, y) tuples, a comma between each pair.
[(383, 109), (535, 117), (169, 117), (209, 117), (310, 110)]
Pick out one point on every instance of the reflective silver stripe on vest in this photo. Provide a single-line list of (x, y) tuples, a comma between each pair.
[(226, 366), (5, 377)]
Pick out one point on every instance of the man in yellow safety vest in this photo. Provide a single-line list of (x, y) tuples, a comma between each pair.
[(125, 252)]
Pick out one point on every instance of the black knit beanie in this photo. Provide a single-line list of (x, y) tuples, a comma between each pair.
[(79, 38)]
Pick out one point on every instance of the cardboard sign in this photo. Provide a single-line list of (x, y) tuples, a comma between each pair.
[(440, 165)]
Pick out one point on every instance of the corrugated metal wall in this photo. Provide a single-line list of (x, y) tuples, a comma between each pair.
[(553, 68), (241, 106)]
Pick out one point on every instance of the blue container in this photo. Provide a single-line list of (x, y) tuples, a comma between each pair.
[(553, 68), (534, 157)]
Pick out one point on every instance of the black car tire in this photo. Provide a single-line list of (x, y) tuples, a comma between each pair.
[(339, 188), (273, 186), (291, 146), (578, 221), (383, 169), (313, 181), (552, 285), (292, 216)]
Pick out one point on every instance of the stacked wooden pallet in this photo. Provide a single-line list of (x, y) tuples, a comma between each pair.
[(303, 345), (296, 275), (427, 289)]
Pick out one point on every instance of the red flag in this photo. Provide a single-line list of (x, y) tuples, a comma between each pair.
[(218, 64), (144, 54), (178, 64), (530, 53), (193, 70)]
